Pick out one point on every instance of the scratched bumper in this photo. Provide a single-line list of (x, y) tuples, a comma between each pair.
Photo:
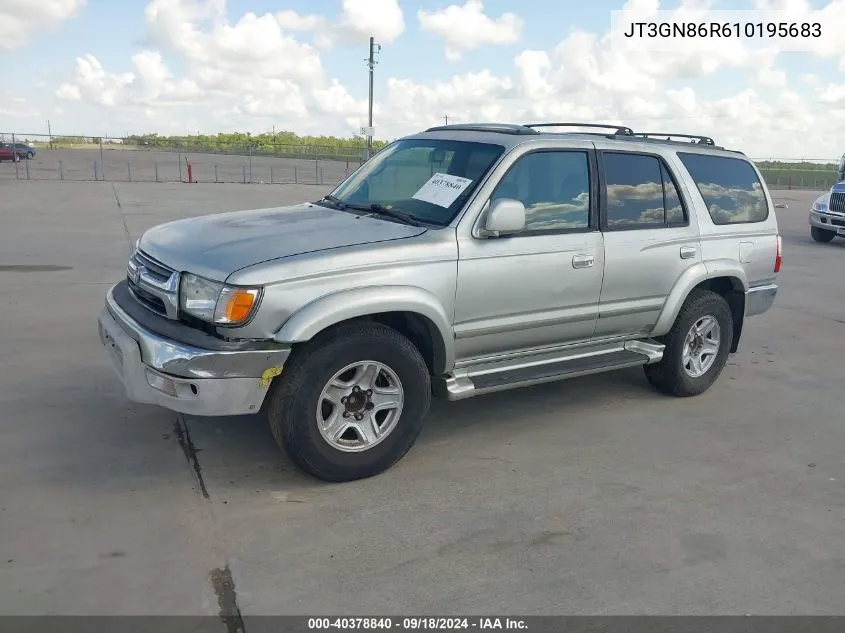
[(183, 378)]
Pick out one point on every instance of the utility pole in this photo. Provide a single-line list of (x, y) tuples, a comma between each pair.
[(49, 135), (446, 116), (371, 64)]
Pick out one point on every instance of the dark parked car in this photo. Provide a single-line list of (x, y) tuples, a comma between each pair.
[(6, 153), (24, 150)]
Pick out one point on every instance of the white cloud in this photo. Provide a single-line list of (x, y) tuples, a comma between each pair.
[(20, 19), (466, 27), (251, 71), (359, 20), (382, 19), (833, 94), (69, 92)]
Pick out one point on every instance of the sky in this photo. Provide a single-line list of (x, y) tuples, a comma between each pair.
[(112, 68)]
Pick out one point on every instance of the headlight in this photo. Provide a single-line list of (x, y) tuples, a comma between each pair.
[(820, 207), (216, 302)]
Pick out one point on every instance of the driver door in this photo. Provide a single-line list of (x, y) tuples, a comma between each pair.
[(540, 287)]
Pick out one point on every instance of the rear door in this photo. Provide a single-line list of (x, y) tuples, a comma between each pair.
[(650, 239)]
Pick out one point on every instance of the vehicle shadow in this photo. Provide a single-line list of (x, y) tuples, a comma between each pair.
[(238, 455)]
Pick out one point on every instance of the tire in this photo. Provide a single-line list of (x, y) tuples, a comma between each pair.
[(821, 235), (292, 404), (670, 376), (30, 155)]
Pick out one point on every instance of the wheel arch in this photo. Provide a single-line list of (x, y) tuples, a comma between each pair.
[(414, 312), (725, 278)]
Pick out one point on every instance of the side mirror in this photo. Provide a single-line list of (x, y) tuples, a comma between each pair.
[(505, 216)]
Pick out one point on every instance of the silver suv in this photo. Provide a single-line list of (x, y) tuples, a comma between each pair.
[(458, 261)]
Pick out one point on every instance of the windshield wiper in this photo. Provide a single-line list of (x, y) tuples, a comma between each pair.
[(380, 209), (337, 202)]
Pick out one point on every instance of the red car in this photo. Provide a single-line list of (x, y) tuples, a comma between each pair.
[(7, 153)]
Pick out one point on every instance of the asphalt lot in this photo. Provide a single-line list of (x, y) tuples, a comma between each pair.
[(591, 496), (117, 165)]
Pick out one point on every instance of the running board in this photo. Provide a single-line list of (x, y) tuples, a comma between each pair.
[(483, 378)]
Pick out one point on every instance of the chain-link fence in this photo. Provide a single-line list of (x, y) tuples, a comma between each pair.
[(148, 159), (263, 159)]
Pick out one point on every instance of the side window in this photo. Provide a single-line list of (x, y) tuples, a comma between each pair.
[(641, 192), (730, 187), (554, 186), (675, 212), (634, 190)]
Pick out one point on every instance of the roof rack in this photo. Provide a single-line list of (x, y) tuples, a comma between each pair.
[(696, 138), (501, 128), (620, 130)]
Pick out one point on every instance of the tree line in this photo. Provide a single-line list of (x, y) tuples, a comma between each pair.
[(267, 141)]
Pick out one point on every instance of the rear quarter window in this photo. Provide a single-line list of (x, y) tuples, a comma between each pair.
[(730, 187)]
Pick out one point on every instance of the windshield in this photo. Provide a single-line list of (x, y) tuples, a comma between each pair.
[(426, 180)]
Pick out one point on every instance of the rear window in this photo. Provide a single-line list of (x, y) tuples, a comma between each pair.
[(730, 187)]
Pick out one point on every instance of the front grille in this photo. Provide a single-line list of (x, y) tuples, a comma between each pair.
[(153, 273), (836, 222), (155, 268), (837, 202), (149, 301)]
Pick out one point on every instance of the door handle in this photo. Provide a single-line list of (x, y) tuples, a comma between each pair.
[(687, 252), (582, 261)]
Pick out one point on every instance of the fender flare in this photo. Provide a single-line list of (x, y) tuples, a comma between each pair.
[(331, 309), (692, 277)]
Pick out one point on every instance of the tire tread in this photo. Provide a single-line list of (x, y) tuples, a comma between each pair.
[(668, 376), (282, 404)]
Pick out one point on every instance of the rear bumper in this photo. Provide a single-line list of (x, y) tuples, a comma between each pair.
[(181, 377), (759, 299)]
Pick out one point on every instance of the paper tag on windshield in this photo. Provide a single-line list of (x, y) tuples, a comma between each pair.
[(442, 189)]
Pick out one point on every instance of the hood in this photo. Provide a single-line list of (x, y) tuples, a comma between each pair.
[(215, 246)]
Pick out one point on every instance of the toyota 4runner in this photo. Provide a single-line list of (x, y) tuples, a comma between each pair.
[(458, 261)]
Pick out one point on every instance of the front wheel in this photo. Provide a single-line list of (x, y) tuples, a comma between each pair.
[(697, 346), (30, 155), (351, 403), (821, 235)]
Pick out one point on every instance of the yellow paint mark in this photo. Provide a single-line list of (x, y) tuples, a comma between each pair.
[(269, 374)]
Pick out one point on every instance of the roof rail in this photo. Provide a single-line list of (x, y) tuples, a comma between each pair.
[(621, 130), (696, 138), (501, 128)]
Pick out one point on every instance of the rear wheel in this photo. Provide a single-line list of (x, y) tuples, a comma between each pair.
[(821, 235), (697, 346), (351, 403), (30, 155)]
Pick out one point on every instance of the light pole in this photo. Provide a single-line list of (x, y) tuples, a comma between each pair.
[(371, 64)]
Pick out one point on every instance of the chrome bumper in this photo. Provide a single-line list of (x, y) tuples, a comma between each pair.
[(825, 221), (183, 378), (759, 299)]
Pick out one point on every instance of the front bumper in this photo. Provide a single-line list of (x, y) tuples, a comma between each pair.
[(184, 378), (828, 221)]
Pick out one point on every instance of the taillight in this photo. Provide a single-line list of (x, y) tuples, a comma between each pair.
[(779, 256)]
